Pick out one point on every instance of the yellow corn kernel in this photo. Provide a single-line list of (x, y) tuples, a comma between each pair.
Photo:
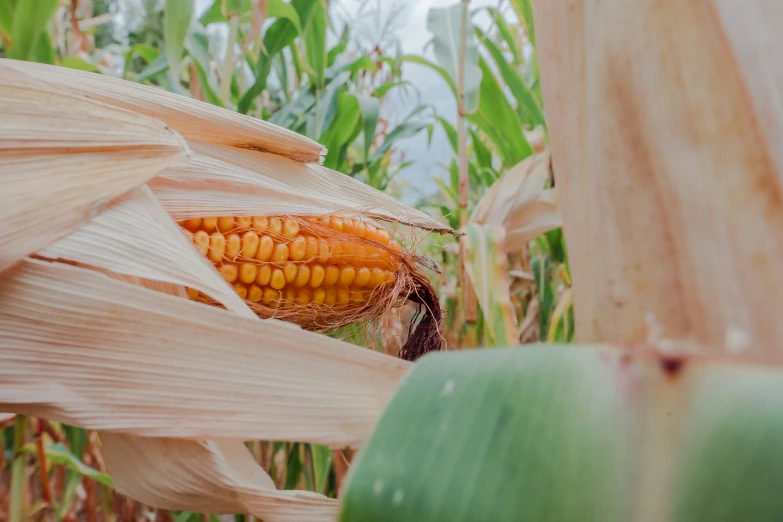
[(290, 228), (209, 224), (388, 277), (265, 248), (241, 291), (244, 222), (343, 296), (290, 295), (278, 279), (323, 221), (192, 293), (298, 248), (317, 274), (264, 275), (225, 223), (371, 233), (377, 277), (254, 293), (384, 237), (323, 251), (192, 224), (359, 229), (201, 240), (248, 272), (249, 244), (229, 272), (275, 225), (233, 246), (331, 276), (336, 224), (271, 297), (304, 296), (363, 276), (289, 272), (280, 253), (260, 224), (319, 295), (217, 247), (302, 276), (330, 299), (347, 274), (337, 252), (311, 249)]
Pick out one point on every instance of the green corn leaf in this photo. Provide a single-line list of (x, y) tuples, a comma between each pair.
[(498, 120), (44, 50), (526, 102), (177, 15), (447, 190), (158, 66), (326, 104), (382, 89), (6, 17), (315, 43), (322, 463), (29, 23), (574, 434), (483, 155), (451, 132), (524, 10), (506, 33), (284, 10), (197, 46), (445, 24), (487, 269), (74, 62), (347, 114), (147, 52), (370, 107), (60, 454)]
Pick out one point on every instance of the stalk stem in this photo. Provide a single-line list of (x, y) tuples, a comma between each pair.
[(16, 499)]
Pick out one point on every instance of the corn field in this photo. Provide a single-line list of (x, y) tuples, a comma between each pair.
[(225, 295)]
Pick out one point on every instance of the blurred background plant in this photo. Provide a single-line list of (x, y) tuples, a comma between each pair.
[(335, 72)]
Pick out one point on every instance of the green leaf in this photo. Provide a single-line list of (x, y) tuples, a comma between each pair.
[(6, 17), (280, 9), (526, 102), (147, 52), (158, 66), (315, 43), (445, 24), (524, 10), (384, 88), (346, 115), (322, 463), (197, 46), (213, 15), (447, 190), (574, 434), (370, 107), (74, 62), (177, 15), (487, 270), (410, 58), (29, 22), (483, 156), (505, 32), (60, 454), (546, 293), (326, 104), (451, 132), (44, 51), (499, 121)]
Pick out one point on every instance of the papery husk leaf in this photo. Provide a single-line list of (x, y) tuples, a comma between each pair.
[(521, 203), (177, 368), (228, 181), (64, 158), (193, 119), (136, 237), (209, 477), (575, 433), (486, 266), (665, 126)]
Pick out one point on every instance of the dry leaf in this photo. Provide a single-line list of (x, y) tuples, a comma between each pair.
[(193, 119)]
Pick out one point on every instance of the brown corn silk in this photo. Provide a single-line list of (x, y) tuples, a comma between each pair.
[(320, 272)]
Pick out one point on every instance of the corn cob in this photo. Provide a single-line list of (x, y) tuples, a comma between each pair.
[(280, 262)]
